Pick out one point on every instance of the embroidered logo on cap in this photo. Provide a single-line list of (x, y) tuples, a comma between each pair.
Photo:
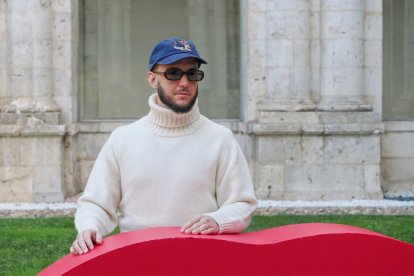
[(182, 45)]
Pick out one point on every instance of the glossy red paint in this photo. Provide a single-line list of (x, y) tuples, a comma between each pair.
[(301, 249)]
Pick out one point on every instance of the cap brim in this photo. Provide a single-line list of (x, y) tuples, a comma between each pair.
[(174, 58)]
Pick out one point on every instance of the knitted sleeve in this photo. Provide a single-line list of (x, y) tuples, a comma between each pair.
[(234, 190), (97, 207)]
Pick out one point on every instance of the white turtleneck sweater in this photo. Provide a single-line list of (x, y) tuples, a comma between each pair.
[(163, 170)]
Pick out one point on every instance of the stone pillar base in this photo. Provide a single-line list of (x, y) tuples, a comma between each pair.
[(317, 161), (31, 168)]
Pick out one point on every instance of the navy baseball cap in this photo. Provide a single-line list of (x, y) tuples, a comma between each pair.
[(172, 50)]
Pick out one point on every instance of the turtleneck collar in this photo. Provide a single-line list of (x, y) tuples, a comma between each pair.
[(165, 122)]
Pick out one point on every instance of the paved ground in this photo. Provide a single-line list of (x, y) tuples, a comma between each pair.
[(266, 207)]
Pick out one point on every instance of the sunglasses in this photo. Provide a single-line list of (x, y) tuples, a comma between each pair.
[(177, 74)]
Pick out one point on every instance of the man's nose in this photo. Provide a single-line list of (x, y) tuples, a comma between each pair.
[(184, 80)]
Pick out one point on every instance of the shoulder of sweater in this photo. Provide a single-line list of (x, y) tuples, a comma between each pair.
[(128, 128)]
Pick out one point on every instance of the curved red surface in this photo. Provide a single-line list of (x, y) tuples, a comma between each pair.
[(301, 249)]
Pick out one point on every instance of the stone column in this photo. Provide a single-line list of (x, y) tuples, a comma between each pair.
[(31, 136), (289, 56), (3, 54), (342, 56), (31, 51), (253, 57)]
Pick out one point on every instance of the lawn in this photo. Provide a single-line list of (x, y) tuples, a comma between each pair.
[(29, 245)]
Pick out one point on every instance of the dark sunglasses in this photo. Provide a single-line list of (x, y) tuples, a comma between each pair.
[(177, 74)]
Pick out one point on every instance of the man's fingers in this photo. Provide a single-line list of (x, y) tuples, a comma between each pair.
[(87, 238), (98, 237), (85, 242), (190, 223), (201, 228), (195, 227), (201, 225), (210, 231), (82, 244), (76, 248)]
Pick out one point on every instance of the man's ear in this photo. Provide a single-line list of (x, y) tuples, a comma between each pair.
[(152, 80)]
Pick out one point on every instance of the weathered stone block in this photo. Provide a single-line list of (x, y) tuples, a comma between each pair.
[(288, 5), (258, 54), (342, 81), (21, 82), (289, 117), (42, 29), (372, 182), (373, 53), (271, 179), (61, 6), (9, 152), (62, 54), (301, 53), (373, 6), (42, 57), (373, 25), (372, 86), (278, 150), (280, 53), (342, 4), (288, 24), (280, 81), (327, 182), (20, 27), (343, 53), (21, 52), (62, 26), (352, 150), (257, 6), (47, 183), (342, 24), (257, 21), (312, 149), (16, 184), (40, 5), (3, 54)]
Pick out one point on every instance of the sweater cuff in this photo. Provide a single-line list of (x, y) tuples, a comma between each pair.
[(224, 222), (88, 223)]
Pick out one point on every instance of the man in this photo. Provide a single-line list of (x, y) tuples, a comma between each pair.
[(173, 167)]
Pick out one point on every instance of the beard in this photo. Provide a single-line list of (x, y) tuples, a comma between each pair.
[(169, 102)]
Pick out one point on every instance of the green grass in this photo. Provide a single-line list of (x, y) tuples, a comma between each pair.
[(29, 245)]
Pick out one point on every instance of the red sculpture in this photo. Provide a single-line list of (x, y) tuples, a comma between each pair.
[(301, 249)]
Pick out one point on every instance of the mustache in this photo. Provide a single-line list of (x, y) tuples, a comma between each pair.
[(183, 90)]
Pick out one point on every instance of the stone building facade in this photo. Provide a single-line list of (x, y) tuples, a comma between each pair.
[(311, 91)]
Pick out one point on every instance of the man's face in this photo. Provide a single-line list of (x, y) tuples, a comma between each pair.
[(179, 95)]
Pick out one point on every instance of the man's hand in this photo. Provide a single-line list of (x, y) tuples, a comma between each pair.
[(85, 242), (201, 224)]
